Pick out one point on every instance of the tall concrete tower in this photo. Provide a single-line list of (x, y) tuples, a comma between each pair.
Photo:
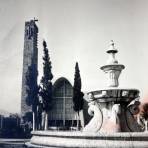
[(30, 59)]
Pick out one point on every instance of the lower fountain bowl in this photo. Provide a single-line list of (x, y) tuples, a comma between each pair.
[(60, 139)]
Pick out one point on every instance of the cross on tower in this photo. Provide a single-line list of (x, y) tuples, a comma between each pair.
[(35, 20)]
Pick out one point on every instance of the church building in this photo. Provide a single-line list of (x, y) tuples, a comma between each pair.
[(62, 113)]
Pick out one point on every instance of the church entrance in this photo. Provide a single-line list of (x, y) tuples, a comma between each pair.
[(62, 113)]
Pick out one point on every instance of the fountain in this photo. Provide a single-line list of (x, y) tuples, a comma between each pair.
[(115, 106), (113, 123)]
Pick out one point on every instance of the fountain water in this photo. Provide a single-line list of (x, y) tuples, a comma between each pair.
[(113, 123)]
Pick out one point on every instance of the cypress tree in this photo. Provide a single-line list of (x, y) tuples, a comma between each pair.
[(77, 94), (46, 85), (32, 91)]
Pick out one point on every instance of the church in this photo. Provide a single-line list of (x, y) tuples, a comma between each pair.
[(62, 113)]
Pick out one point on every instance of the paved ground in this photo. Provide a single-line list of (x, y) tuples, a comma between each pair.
[(13, 143)]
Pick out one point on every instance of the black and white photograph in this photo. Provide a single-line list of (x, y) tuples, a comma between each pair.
[(73, 74)]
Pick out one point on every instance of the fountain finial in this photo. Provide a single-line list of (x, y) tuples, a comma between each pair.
[(112, 42), (112, 51), (112, 48)]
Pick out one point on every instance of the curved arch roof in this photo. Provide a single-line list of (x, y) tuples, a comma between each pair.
[(59, 80)]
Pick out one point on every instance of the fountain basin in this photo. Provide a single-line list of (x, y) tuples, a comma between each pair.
[(113, 110), (88, 140), (115, 94)]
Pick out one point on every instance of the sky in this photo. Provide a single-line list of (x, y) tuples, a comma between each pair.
[(75, 30)]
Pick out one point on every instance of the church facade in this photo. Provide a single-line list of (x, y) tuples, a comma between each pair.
[(62, 113)]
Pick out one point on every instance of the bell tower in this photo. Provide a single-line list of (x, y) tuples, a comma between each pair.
[(30, 59)]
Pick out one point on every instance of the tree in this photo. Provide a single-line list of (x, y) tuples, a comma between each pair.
[(32, 91), (77, 94), (17, 117), (46, 85), (28, 117)]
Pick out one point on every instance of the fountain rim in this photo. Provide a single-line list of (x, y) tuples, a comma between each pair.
[(81, 139), (115, 66), (112, 51), (114, 88), (115, 95), (89, 134)]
